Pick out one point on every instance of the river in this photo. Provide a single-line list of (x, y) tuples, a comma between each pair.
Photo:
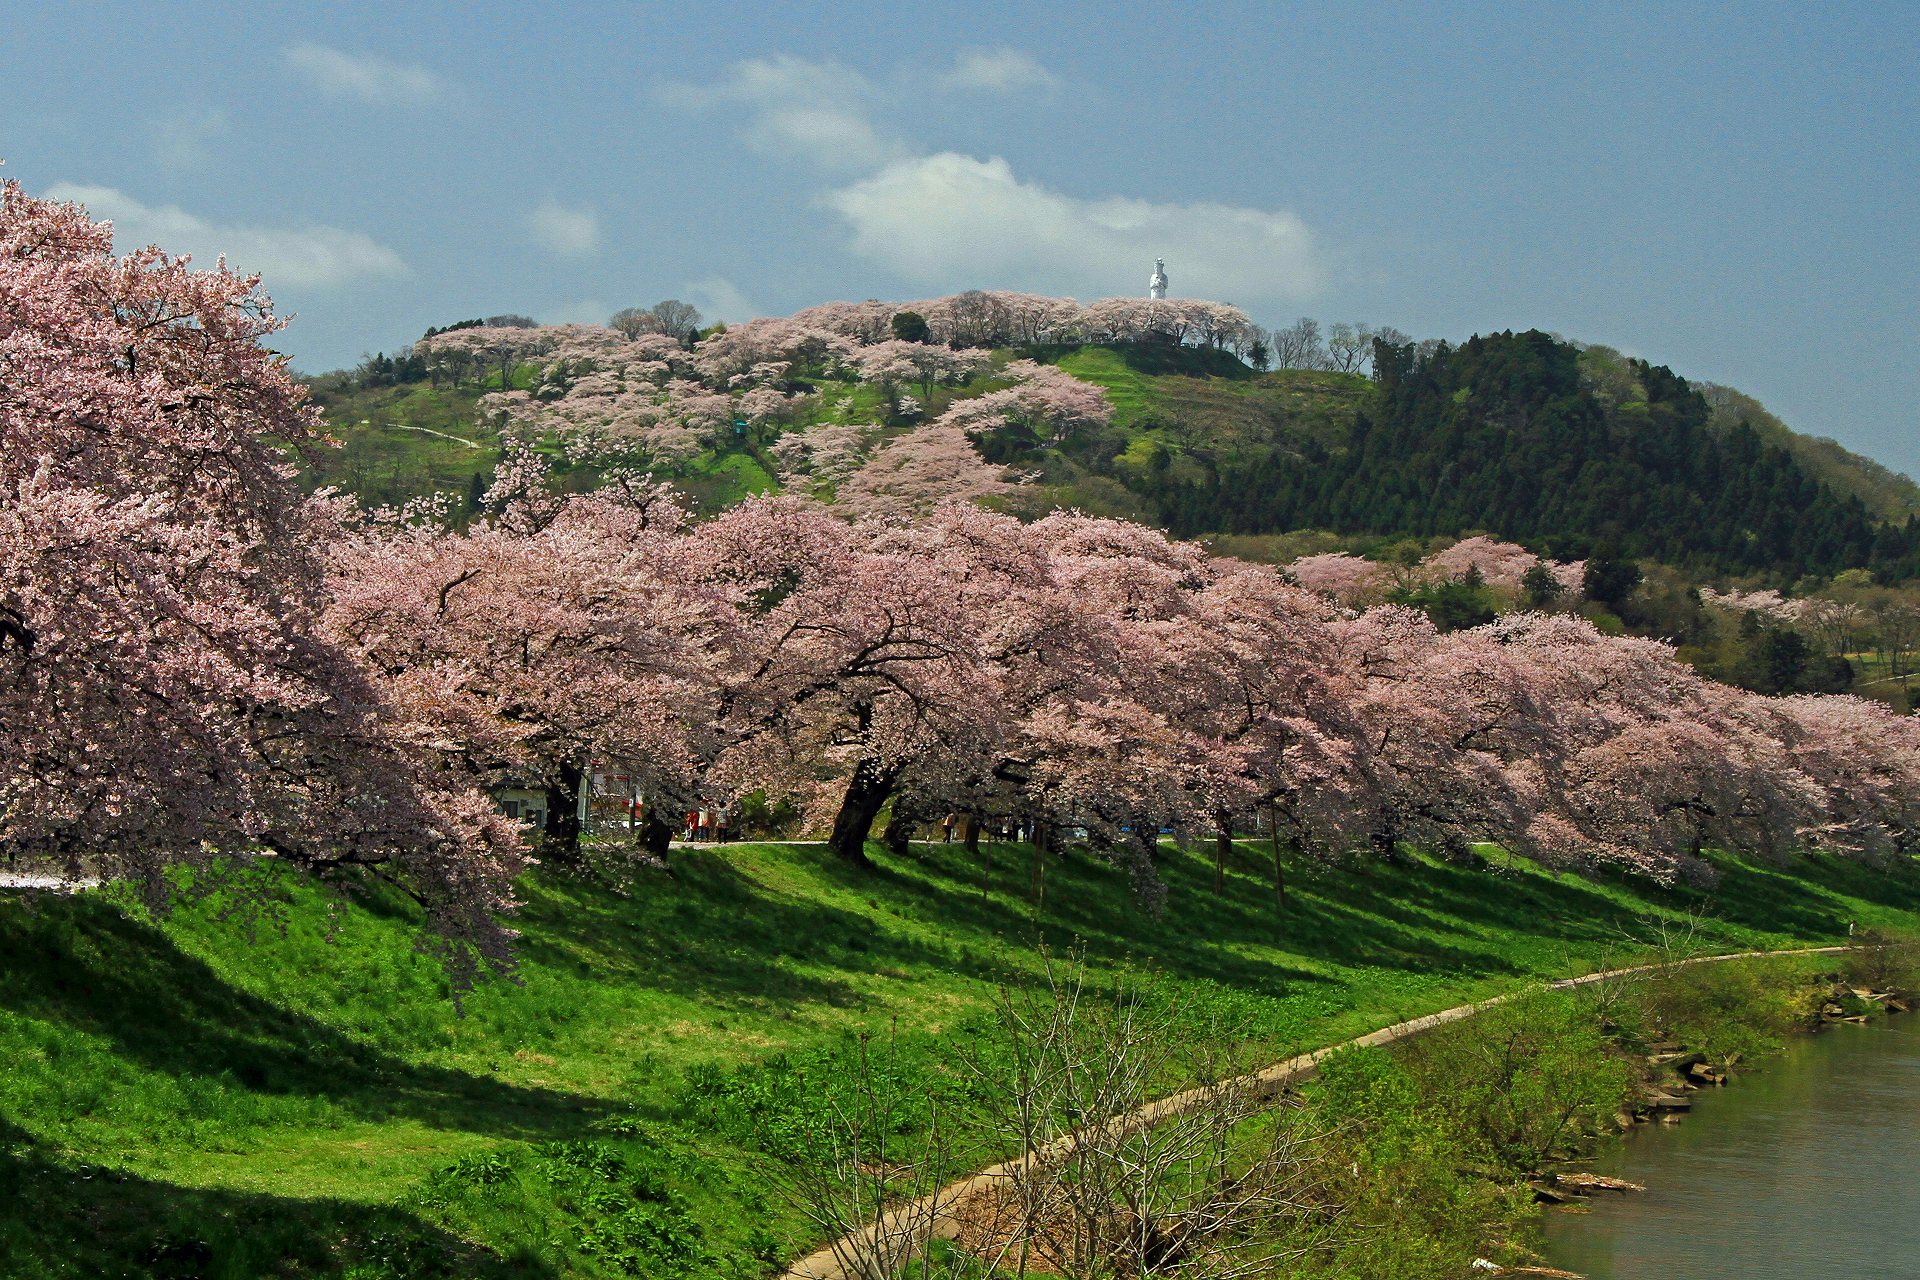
[(1805, 1168)]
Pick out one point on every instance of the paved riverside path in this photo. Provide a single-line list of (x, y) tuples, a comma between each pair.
[(57, 884), (937, 1215)]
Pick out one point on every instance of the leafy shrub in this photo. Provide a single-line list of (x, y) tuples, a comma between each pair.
[(403, 1255), (1744, 1008), (1883, 961), (483, 1168), (1394, 1156), (1528, 1081)]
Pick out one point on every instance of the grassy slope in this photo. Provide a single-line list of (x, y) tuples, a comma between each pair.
[(394, 441), (1191, 409), (175, 1096)]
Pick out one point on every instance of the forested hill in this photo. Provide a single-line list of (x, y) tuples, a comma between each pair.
[(1525, 436)]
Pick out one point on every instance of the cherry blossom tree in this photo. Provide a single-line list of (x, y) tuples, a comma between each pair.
[(1115, 769), (889, 366), (862, 662), (1247, 670), (1629, 756), (807, 346), (916, 472), (990, 318), (860, 322), (893, 364), (1044, 402), (166, 693), (1658, 793), (561, 633), (1346, 579), (1768, 603), (1102, 754), (1443, 718), (823, 455), (1500, 564), (1865, 758)]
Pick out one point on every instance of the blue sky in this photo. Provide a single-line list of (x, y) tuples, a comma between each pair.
[(1734, 191)]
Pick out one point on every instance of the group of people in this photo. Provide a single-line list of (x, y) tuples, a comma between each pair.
[(706, 826), (709, 826)]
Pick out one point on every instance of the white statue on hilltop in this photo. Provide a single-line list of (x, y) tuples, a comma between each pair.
[(1157, 286)]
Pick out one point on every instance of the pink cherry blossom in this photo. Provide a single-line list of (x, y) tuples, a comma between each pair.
[(166, 693)]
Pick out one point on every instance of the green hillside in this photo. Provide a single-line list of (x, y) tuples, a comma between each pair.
[(402, 440), (179, 1103), (1888, 494), (1522, 436), (1519, 435)]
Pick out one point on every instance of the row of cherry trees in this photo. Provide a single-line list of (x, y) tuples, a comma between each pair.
[(1078, 674), (199, 666), (1506, 567), (995, 318)]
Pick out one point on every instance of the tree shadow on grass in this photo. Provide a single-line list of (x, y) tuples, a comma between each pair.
[(65, 1221), (717, 934), (81, 965), (1413, 915), (1802, 899), (1199, 935)]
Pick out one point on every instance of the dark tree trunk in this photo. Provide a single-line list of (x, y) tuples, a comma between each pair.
[(1279, 867), (899, 830), (656, 837), (986, 857), (562, 833), (1042, 840), (1222, 850), (867, 794)]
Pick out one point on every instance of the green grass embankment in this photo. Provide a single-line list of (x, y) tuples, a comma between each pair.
[(178, 1102)]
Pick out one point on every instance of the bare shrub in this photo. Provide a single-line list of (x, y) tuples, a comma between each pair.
[(871, 1175), (1218, 1180)]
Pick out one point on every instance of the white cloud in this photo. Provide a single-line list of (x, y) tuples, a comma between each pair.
[(364, 76), (181, 140), (571, 233), (1000, 70), (720, 299), (816, 111), (312, 256), (952, 221)]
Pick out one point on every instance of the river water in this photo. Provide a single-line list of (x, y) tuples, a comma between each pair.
[(1807, 1167)]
